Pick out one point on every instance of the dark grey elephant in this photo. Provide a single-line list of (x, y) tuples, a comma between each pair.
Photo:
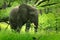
[(23, 14)]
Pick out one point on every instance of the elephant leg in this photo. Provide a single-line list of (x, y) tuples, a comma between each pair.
[(27, 26), (18, 29), (20, 26), (36, 25), (13, 26)]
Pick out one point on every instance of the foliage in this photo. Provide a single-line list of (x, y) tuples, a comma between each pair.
[(51, 19)]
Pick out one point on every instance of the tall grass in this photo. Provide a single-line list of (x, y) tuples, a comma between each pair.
[(8, 35)]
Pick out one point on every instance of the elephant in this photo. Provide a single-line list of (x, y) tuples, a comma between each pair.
[(23, 14)]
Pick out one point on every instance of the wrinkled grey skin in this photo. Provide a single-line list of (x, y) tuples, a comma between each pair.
[(23, 14)]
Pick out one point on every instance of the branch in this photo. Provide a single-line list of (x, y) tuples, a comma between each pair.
[(49, 4), (36, 1), (41, 2), (5, 19)]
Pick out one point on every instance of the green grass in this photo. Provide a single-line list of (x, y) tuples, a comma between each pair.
[(8, 35)]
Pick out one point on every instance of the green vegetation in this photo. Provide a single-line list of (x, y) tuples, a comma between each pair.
[(48, 24), (8, 35)]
